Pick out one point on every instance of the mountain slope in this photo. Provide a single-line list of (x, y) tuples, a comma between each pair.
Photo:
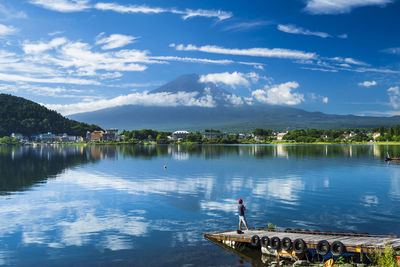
[(224, 115), (19, 115)]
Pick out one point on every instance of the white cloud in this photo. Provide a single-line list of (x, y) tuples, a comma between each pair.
[(255, 52), (57, 92), (232, 79), (340, 6), (279, 94), (115, 41), (234, 99), (367, 83), (392, 50), (221, 15), (394, 95), (194, 60), (246, 25), (298, 30), (62, 5), (22, 78), (348, 60), (130, 8), (163, 99), (343, 36), (325, 100), (42, 46), (79, 58), (186, 14), (7, 30)]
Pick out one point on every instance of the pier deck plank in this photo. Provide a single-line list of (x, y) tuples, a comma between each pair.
[(353, 242)]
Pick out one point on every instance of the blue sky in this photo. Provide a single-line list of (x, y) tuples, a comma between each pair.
[(334, 56)]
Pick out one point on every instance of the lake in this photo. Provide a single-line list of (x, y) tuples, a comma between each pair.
[(118, 205)]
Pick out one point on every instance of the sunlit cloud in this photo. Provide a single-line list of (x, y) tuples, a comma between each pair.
[(293, 29), (114, 41), (186, 14), (392, 50), (163, 99), (394, 95), (63, 5), (367, 83), (244, 26), (279, 94), (255, 52), (7, 30), (340, 6), (232, 79), (19, 78)]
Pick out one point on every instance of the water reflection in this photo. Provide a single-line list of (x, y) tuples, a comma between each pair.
[(119, 202), (22, 166)]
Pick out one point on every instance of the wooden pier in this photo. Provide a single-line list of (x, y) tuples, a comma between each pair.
[(296, 244)]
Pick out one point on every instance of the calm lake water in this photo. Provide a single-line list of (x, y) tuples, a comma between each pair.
[(117, 205)]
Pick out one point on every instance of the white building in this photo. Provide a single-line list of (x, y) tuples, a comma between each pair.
[(280, 136), (179, 135)]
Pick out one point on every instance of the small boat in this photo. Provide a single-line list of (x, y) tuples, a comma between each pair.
[(389, 158), (392, 159)]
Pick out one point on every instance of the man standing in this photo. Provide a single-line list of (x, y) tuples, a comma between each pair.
[(241, 209)]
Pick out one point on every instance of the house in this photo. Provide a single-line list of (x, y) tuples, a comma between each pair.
[(47, 137), (96, 136), (179, 135), (376, 135), (110, 135), (213, 135), (17, 135), (349, 135), (241, 136), (280, 136)]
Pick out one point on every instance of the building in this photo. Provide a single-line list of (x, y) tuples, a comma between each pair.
[(110, 135), (47, 137), (17, 135), (96, 136), (179, 135), (376, 135), (213, 135), (280, 136), (88, 136)]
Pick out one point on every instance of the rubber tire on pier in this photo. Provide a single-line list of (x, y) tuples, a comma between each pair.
[(255, 240), (320, 247), (299, 246), (275, 243), (286, 243), (338, 248), (264, 241)]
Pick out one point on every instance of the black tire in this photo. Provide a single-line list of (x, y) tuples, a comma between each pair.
[(299, 246), (316, 258), (275, 243), (255, 240), (286, 243), (320, 247), (264, 241), (338, 248)]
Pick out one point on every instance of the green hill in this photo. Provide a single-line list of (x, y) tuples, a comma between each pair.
[(18, 115)]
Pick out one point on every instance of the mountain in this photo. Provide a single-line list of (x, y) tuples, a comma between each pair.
[(224, 115), (20, 115)]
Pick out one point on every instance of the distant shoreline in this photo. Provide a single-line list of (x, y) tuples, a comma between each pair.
[(194, 143)]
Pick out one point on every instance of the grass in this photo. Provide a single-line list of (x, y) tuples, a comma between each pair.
[(387, 258)]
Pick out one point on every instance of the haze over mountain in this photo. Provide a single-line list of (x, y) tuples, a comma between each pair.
[(209, 106)]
